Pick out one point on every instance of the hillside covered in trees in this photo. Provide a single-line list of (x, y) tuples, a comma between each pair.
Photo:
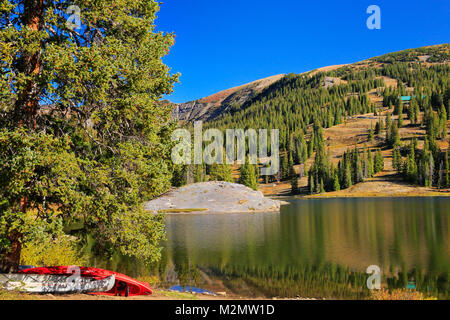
[(401, 98)]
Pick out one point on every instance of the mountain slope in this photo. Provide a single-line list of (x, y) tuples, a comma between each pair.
[(210, 107), (229, 101), (336, 109)]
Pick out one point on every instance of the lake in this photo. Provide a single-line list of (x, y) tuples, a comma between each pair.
[(313, 248)]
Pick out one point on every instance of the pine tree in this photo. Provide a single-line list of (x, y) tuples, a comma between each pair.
[(388, 126), (247, 176), (446, 168), (221, 172), (443, 123), (378, 161), (430, 170), (440, 183), (285, 168), (397, 159), (370, 166), (311, 183), (294, 180), (199, 173), (336, 185), (400, 115), (411, 172), (394, 136), (371, 132), (322, 189), (104, 126), (377, 128), (348, 175), (416, 112)]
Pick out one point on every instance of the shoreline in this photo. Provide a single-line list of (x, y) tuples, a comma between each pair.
[(158, 294)]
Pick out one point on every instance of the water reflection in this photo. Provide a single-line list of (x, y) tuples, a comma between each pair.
[(313, 248), (322, 243)]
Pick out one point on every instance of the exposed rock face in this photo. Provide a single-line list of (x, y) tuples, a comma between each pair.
[(216, 197), (210, 107)]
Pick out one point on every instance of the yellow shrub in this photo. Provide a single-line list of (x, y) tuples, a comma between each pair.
[(398, 294), (151, 280), (61, 251)]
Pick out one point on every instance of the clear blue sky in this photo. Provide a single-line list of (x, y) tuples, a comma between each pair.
[(225, 43)]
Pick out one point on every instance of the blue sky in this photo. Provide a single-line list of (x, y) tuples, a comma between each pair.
[(225, 43)]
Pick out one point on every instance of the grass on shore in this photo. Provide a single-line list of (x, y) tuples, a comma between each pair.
[(14, 295), (375, 194), (178, 295), (181, 210), (157, 294), (383, 294)]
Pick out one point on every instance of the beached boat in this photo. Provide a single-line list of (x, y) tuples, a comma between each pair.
[(49, 283), (124, 285)]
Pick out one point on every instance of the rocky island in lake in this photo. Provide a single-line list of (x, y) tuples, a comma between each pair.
[(213, 196)]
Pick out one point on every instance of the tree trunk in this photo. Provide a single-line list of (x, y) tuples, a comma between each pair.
[(26, 108), (27, 102), (11, 259)]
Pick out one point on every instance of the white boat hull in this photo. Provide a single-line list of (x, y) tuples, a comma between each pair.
[(43, 283)]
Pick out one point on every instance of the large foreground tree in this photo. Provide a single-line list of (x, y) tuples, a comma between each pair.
[(82, 135)]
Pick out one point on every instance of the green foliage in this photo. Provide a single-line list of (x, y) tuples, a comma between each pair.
[(221, 172), (285, 168), (400, 116), (371, 133), (179, 175), (61, 251), (378, 161), (355, 167), (437, 54), (294, 180), (336, 184), (393, 139), (247, 176), (94, 139), (296, 101)]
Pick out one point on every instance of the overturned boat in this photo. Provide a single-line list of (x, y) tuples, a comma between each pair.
[(48, 283), (122, 286)]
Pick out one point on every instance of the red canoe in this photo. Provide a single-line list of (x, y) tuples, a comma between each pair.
[(124, 286)]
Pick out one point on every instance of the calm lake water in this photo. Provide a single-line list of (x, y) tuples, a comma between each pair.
[(313, 248)]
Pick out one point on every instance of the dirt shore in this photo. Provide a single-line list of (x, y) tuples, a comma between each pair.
[(157, 295)]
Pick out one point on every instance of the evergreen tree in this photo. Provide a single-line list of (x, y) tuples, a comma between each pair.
[(101, 146), (285, 168), (443, 123), (440, 183), (247, 176), (370, 165), (400, 115), (199, 173), (179, 175), (336, 185), (322, 189), (397, 159), (311, 184), (388, 121), (411, 171), (371, 133), (221, 172), (377, 128), (348, 176), (378, 161), (294, 180), (446, 168), (394, 136)]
